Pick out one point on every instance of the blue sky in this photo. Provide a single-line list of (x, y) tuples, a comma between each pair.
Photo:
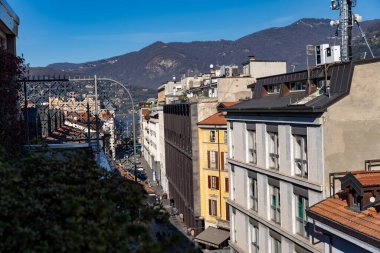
[(84, 30)]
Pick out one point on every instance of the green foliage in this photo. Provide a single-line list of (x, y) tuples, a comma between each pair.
[(71, 205), (11, 69)]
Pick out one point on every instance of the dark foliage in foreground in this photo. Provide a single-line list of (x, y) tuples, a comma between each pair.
[(70, 205)]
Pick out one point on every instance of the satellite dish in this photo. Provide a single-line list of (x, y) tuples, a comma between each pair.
[(372, 199)]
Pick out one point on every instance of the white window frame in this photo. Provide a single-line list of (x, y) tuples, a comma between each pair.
[(254, 239), (214, 207), (252, 147), (212, 159), (300, 163), (253, 194), (213, 182), (212, 136), (275, 209), (273, 151), (275, 245), (301, 221)]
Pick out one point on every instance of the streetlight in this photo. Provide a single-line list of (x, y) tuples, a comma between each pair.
[(95, 79)]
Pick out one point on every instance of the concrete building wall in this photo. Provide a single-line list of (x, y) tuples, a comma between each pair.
[(285, 176), (351, 126), (259, 69), (234, 88)]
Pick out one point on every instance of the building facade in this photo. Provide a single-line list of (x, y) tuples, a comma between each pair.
[(284, 142), (9, 22)]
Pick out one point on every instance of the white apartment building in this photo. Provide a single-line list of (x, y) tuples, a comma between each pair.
[(285, 142)]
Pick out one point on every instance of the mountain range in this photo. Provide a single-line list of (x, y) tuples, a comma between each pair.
[(159, 62)]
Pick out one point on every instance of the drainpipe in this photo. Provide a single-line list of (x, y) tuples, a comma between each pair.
[(323, 234)]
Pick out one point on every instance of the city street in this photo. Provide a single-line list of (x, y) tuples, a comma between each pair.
[(173, 226)]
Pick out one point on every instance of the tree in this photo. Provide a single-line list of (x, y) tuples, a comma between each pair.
[(11, 69), (68, 204)]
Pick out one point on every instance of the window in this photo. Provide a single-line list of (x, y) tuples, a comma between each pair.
[(213, 209), (225, 137), (275, 245), (300, 156), (275, 211), (253, 194), (297, 86), (254, 234), (273, 151), (212, 159), (233, 225), (273, 89), (252, 156), (301, 219), (224, 160), (213, 182), (212, 136)]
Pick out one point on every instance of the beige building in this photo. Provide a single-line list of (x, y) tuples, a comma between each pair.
[(260, 68), (285, 141)]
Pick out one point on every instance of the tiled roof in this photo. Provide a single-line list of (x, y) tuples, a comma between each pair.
[(216, 119), (367, 178), (228, 104), (335, 210)]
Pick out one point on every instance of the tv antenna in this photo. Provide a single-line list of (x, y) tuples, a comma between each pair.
[(345, 24)]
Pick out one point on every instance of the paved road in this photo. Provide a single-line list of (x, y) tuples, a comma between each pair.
[(174, 226)]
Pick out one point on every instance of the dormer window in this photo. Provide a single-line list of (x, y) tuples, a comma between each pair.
[(273, 88), (297, 86)]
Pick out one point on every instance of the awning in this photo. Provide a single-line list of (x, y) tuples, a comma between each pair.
[(213, 237)]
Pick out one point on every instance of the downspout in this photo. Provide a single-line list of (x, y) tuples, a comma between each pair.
[(323, 234)]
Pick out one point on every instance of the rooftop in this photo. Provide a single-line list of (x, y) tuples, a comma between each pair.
[(312, 98), (216, 119), (355, 210), (334, 211)]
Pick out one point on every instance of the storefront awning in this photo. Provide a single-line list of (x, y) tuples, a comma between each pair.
[(213, 237)]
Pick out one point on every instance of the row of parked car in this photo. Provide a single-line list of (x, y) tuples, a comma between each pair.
[(141, 174)]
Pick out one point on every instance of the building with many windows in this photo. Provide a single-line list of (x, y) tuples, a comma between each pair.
[(285, 141), (213, 174)]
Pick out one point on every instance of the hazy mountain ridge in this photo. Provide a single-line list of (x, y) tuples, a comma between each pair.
[(158, 62)]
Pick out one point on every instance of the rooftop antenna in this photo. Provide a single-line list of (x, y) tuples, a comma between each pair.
[(344, 25)]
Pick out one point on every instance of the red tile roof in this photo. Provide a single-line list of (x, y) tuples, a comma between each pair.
[(366, 222), (367, 178), (228, 104), (216, 119)]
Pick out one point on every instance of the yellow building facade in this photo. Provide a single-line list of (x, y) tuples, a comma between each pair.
[(213, 171)]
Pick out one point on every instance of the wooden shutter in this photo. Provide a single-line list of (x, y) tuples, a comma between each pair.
[(227, 184), (227, 212), (209, 182), (208, 159), (217, 183), (216, 207), (209, 207), (222, 160), (217, 160)]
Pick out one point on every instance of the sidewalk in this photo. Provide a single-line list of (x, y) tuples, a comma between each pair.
[(175, 220)]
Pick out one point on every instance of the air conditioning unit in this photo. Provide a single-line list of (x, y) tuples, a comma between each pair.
[(326, 54)]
